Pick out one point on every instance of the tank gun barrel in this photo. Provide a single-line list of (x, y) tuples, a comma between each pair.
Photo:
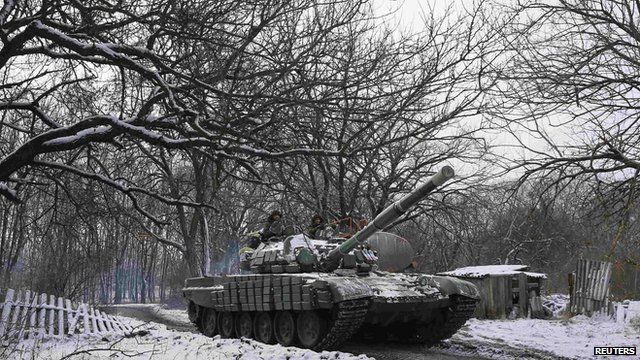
[(387, 216)]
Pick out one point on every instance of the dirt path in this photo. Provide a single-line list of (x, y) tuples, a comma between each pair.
[(145, 312)]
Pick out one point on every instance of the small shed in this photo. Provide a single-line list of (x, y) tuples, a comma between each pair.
[(501, 287)]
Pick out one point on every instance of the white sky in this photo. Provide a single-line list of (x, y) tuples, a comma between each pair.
[(407, 14)]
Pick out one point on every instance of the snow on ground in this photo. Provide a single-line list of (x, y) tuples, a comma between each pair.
[(161, 343), (498, 339), (161, 311), (573, 338), (172, 314), (512, 339)]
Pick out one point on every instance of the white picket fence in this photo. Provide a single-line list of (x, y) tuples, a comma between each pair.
[(28, 315)]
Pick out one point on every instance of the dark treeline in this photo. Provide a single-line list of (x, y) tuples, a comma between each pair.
[(140, 140)]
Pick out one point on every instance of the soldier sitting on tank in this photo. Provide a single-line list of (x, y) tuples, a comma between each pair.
[(273, 228), (317, 225)]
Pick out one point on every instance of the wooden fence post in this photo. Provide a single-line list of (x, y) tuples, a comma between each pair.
[(94, 323), (11, 331), (570, 281), (72, 317), (34, 314), (25, 312), (42, 312), (85, 319), (522, 294), (6, 311), (60, 317), (581, 281), (52, 314)]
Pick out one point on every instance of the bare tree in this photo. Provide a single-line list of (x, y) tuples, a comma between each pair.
[(572, 84), (202, 75), (415, 107)]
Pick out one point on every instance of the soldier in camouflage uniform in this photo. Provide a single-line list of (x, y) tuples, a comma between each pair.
[(317, 224), (273, 227)]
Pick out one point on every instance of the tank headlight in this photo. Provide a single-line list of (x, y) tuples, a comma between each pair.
[(423, 280)]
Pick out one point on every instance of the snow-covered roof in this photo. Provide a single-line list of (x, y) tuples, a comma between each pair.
[(486, 270), (535, 275)]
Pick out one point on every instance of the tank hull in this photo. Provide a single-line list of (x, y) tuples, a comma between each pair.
[(413, 308)]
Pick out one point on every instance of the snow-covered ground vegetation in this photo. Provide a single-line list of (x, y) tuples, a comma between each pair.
[(556, 303)]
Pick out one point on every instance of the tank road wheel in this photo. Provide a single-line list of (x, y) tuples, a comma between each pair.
[(244, 325), (194, 312), (209, 322), (263, 328), (311, 329), (284, 326), (225, 324)]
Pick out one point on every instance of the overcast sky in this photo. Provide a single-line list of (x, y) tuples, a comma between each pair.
[(407, 15)]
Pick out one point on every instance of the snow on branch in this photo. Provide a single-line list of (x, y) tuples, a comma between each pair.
[(27, 152), (103, 49), (6, 10), (79, 136), (160, 239), (104, 128), (189, 142), (8, 193), (34, 109), (129, 190)]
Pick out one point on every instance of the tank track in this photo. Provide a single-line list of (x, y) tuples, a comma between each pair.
[(446, 322), (460, 311), (455, 316), (347, 320)]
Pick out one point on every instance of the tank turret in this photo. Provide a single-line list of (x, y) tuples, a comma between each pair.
[(386, 217), (301, 253)]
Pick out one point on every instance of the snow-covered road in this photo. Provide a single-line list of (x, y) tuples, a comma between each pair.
[(177, 320), (479, 339), (167, 334)]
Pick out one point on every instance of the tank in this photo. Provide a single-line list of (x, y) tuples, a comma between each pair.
[(318, 293)]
